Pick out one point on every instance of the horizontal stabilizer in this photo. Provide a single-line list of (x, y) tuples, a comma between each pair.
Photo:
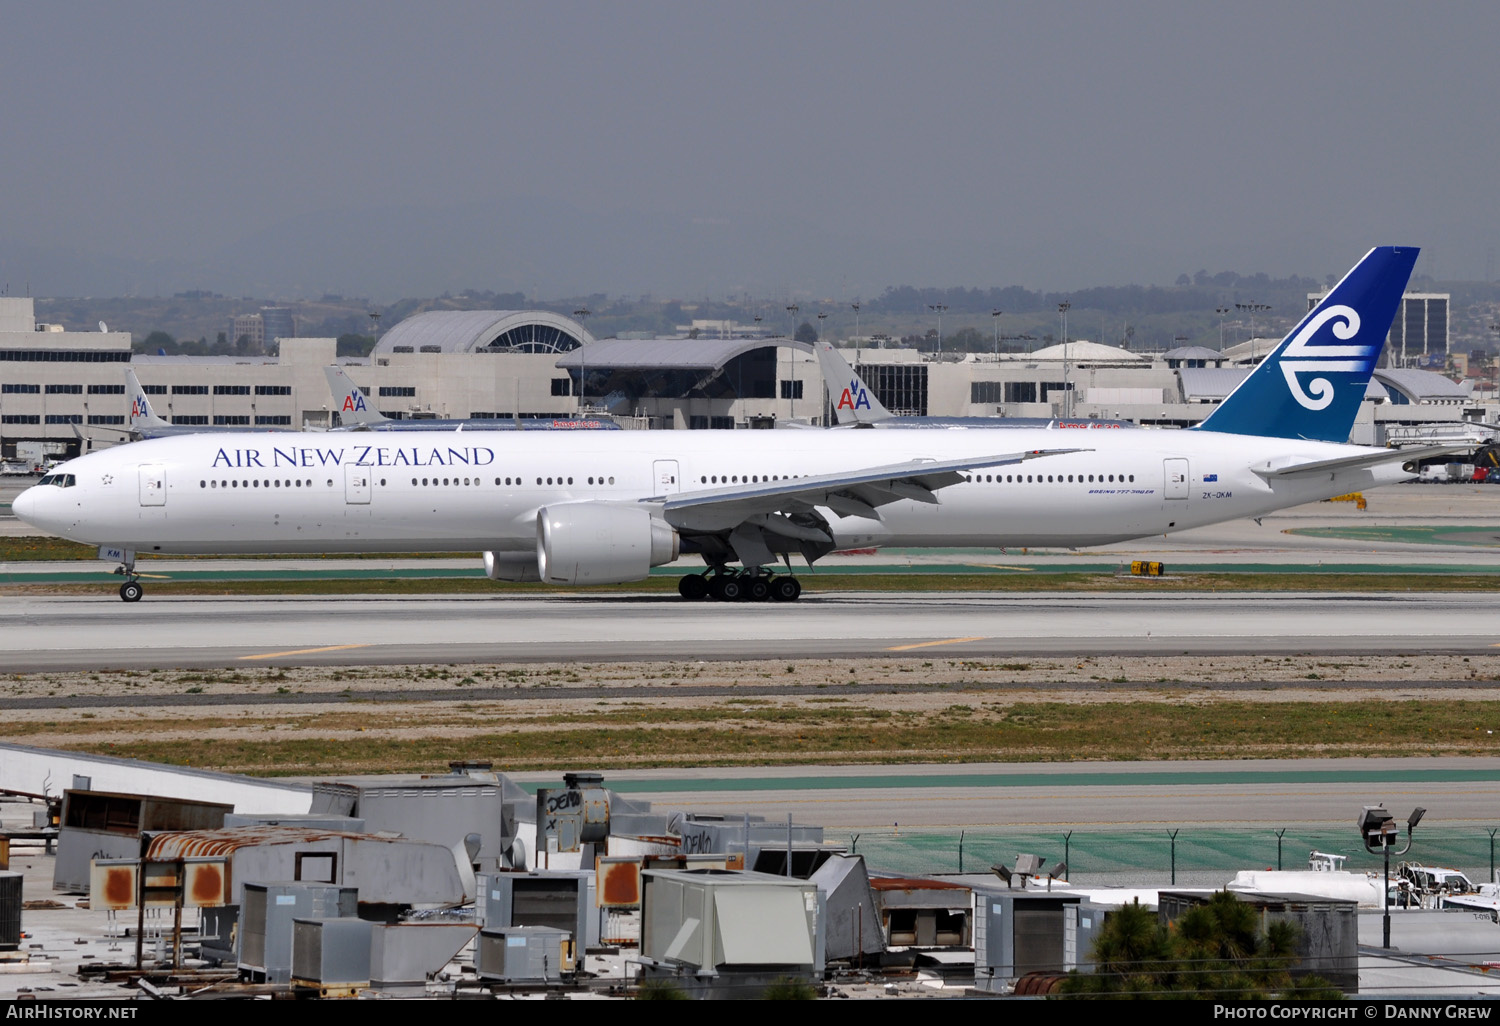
[(1366, 459)]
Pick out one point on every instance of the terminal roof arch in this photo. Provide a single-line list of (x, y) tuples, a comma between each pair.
[(484, 331)]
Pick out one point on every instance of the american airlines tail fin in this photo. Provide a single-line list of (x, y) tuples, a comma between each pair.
[(352, 406), (143, 420), (1313, 382), (852, 402)]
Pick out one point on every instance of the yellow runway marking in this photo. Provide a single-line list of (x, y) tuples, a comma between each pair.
[(930, 644), (1000, 566), (302, 651)]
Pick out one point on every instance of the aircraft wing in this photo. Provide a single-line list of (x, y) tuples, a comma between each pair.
[(1368, 459), (851, 493)]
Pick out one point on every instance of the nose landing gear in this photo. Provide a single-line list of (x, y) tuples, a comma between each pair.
[(131, 590)]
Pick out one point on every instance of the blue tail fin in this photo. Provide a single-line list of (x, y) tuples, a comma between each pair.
[(1312, 384)]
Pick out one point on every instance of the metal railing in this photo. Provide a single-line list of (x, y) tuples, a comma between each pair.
[(1154, 856)]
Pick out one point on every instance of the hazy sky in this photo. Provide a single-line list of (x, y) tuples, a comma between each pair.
[(690, 149)]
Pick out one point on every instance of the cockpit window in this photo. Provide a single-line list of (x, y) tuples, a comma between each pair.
[(60, 480)]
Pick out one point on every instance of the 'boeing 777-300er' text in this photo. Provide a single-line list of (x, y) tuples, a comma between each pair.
[(605, 507)]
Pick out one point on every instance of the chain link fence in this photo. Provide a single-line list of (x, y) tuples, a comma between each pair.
[(1194, 857)]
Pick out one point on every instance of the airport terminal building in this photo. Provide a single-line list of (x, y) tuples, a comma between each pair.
[(65, 390)]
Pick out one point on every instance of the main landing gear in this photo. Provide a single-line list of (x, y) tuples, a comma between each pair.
[(752, 585)]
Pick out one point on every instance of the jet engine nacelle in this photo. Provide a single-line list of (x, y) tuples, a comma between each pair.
[(600, 543), (511, 566)]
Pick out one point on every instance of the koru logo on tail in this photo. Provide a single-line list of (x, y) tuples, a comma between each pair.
[(855, 397), (1302, 357)]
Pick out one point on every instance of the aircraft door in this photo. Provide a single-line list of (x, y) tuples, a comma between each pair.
[(153, 486), (356, 485), (664, 478), (1177, 478)]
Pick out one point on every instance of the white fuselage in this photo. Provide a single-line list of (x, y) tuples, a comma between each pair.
[(301, 493)]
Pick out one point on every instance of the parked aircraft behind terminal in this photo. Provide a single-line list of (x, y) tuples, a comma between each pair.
[(854, 405), (605, 507), (144, 423), (355, 414)]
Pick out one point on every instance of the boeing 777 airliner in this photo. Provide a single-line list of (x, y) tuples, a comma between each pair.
[(605, 507)]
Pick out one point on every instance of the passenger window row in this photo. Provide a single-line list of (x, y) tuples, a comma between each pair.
[(745, 478), (67, 480), (1050, 478)]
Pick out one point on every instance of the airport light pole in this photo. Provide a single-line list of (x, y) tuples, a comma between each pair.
[(1252, 309), (856, 333), (938, 308), (995, 316), (582, 314), (1378, 830), (1062, 309), (1221, 311), (823, 316), (791, 391), (1495, 330)]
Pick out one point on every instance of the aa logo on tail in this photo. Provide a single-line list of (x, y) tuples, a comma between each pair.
[(140, 408), (1303, 357), (854, 397), (354, 403)]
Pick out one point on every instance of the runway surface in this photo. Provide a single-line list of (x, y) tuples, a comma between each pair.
[(1417, 529), (76, 632)]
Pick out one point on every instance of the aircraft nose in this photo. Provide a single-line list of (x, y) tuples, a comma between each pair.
[(24, 505)]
